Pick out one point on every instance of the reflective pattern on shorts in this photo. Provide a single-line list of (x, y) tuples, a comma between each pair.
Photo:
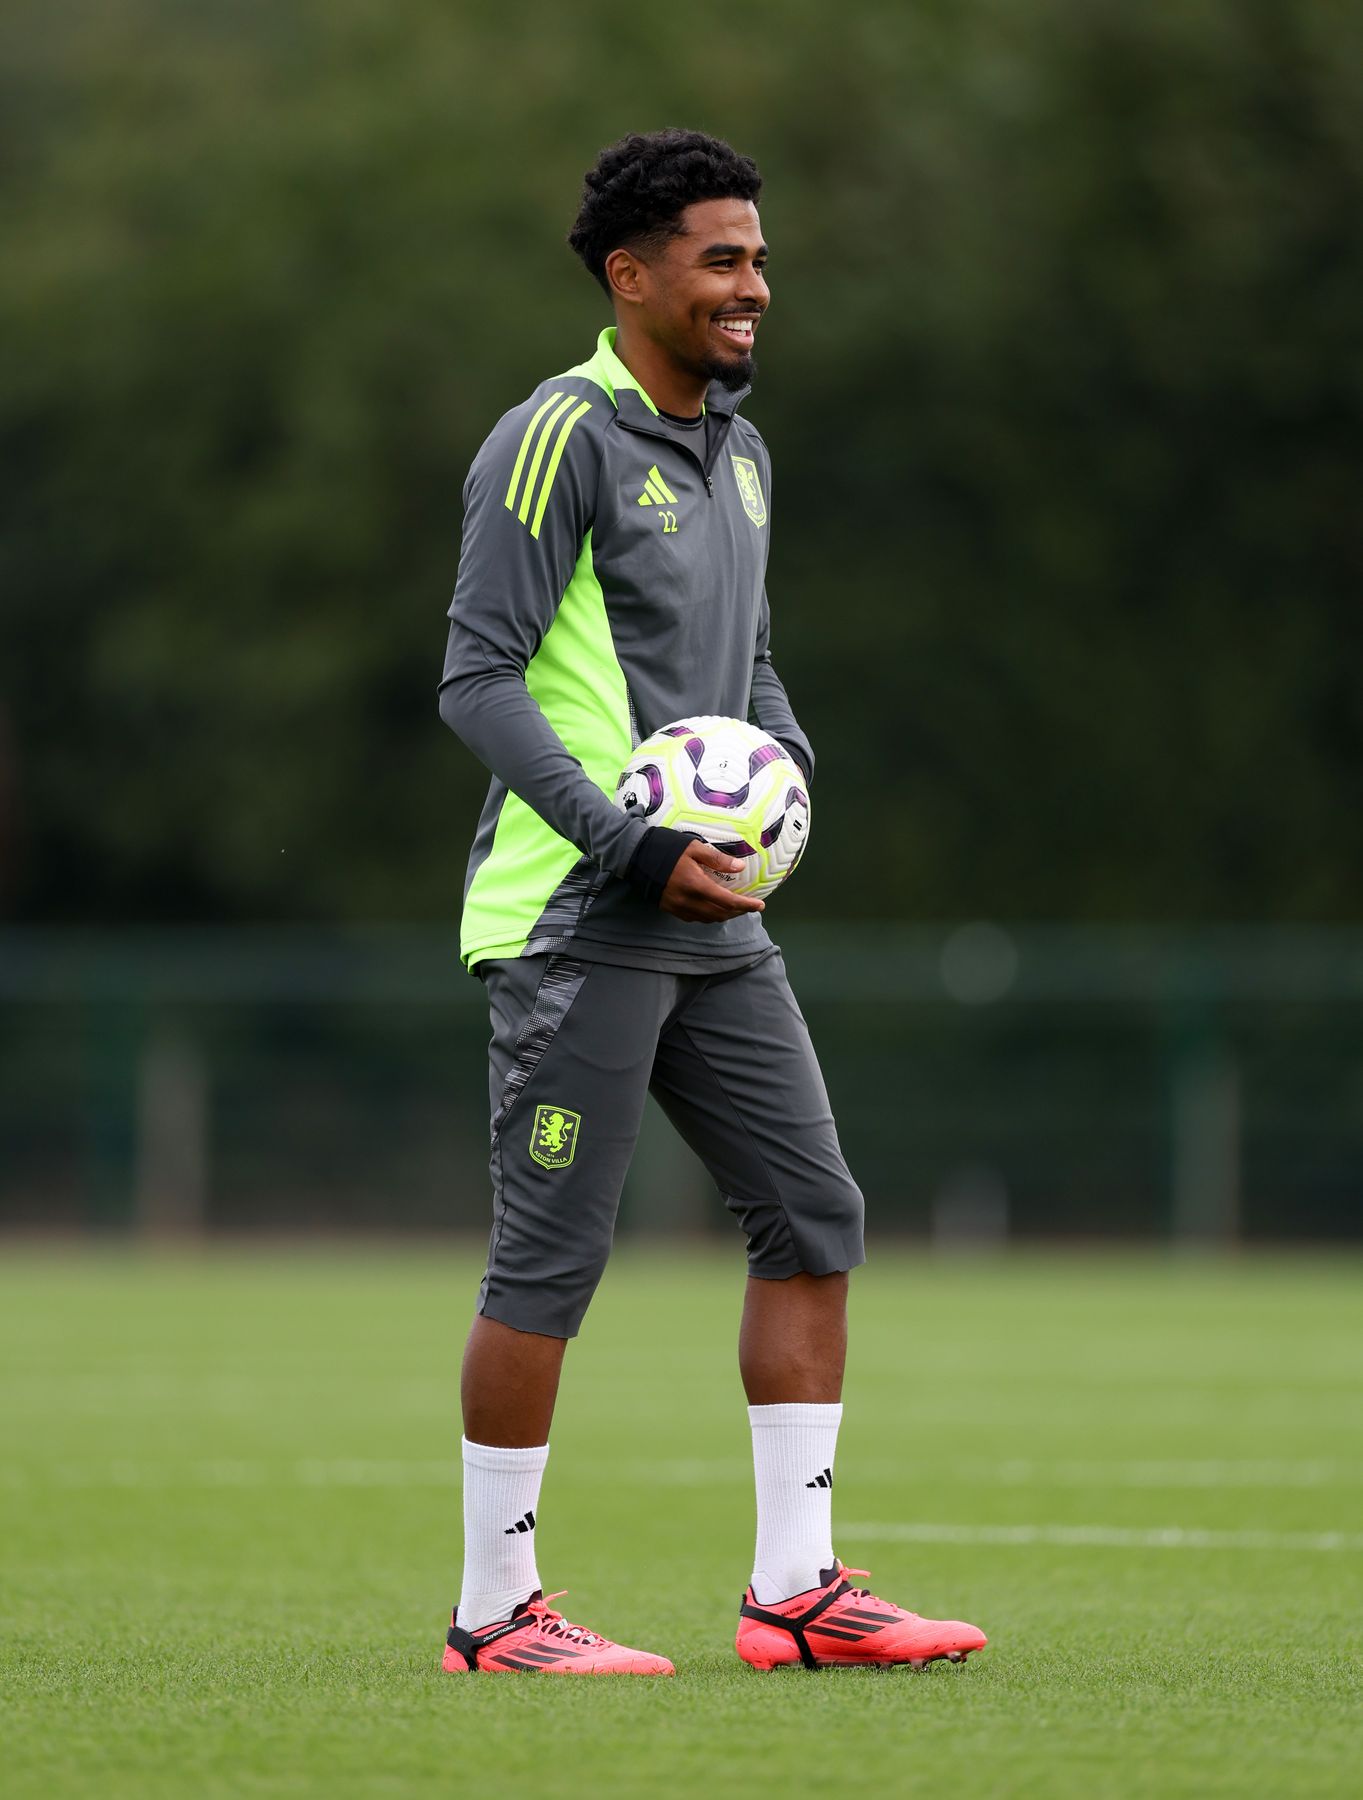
[(576, 1047)]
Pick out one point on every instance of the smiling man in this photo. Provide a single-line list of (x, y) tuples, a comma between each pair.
[(611, 581)]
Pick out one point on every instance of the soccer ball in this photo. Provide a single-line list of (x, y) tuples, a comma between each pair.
[(728, 783)]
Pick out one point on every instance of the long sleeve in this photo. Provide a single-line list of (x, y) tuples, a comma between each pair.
[(529, 507), (769, 708), (488, 706)]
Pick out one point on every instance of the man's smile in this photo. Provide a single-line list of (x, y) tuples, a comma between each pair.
[(739, 329)]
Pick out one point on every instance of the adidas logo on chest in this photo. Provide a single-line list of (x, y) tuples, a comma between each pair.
[(660, 497)]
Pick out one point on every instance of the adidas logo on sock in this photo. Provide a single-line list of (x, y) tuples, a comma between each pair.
[(825, 1480), (525, 1524)]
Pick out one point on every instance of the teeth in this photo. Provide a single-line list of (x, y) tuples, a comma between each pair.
[(738, 327)]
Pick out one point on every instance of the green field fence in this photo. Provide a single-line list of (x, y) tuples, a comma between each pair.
[(991, 1084)]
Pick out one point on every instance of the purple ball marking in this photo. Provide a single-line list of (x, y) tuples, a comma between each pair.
[(759, 758), (794, 797), (709, 796), (653, 775)]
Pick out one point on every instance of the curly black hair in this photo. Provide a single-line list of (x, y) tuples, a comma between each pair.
[(638, 189)]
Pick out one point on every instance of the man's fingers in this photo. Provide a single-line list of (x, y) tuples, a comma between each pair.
[(711, 907), (696, 892), (722, 904), (715, 862), (701, 888), (710, 858)]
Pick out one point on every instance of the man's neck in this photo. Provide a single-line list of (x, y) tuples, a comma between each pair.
[(672, 390)]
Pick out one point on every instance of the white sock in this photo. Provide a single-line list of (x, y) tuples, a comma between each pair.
[(793, 1448), (501, 1493)]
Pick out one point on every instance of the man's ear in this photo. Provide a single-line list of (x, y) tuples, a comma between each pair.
[(623, 272)]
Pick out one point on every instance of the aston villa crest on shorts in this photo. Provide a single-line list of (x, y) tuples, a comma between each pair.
[(750, 488), (553, 1136)]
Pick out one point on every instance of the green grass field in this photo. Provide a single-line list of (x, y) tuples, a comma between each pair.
[(229, 1532)]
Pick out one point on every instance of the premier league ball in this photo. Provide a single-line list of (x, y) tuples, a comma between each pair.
[(728, 783)]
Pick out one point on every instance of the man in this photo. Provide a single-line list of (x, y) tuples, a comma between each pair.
[(585, 616)]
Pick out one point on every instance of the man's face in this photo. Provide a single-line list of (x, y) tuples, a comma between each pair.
[(703, 294)]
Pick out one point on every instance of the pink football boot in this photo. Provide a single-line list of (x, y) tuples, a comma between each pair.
[(838, 1626), (538, 1640)]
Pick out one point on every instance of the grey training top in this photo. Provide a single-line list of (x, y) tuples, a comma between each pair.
[(611, 581)]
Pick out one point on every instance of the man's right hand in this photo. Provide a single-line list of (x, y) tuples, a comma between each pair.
[(694, 893)]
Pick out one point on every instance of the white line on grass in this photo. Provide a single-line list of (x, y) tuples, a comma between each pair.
[(686, 1472), (1222, 1473), (352, 1472), (225, 1473), (1026, 1472), (1103, 1537)]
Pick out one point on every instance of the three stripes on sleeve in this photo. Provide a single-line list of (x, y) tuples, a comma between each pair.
[(563, 412)]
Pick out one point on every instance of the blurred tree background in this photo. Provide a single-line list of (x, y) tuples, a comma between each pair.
[(1062, 381)]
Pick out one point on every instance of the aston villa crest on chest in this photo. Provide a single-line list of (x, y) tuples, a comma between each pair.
[(750, 488)]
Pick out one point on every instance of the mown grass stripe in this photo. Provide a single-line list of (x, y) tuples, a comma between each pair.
[(183, 1642), (1104, 1537)]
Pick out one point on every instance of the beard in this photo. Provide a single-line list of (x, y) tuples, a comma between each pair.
[(731, 373)]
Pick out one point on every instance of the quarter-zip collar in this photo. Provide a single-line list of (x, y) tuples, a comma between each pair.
[(608, 372), (636, 411), (632, 417)]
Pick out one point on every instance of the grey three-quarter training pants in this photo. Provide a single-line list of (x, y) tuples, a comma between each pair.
[(576, 1047)]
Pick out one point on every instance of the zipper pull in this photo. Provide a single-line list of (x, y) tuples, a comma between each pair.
[(710, 484)]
